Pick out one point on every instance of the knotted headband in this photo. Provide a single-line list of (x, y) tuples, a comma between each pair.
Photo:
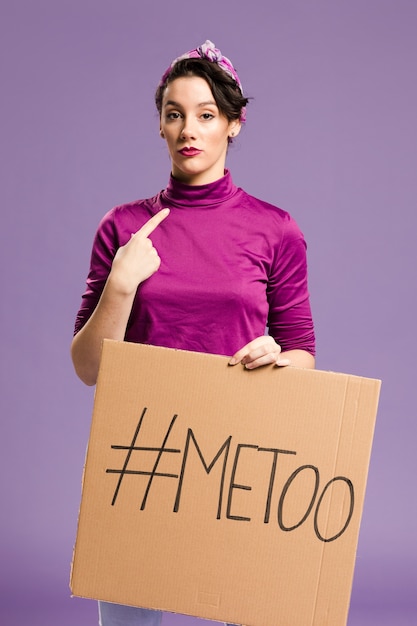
[(206, 51)]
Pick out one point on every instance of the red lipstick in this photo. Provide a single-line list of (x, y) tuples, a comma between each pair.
[(189, 152)]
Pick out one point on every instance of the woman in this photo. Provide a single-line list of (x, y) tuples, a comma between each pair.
[(203, 265)]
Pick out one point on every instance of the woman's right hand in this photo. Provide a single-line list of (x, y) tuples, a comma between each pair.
[(133, 263), (137, 260)]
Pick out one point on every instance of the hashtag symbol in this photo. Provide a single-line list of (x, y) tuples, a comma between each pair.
[(134, 448)]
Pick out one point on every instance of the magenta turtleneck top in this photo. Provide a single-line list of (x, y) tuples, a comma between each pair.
[(230, 266)]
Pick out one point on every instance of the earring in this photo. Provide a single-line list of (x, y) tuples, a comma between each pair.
[(232, 134)]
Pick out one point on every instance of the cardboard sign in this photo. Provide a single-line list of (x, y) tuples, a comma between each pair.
[(223, 493)]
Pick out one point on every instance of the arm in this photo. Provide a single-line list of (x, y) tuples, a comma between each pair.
[(299, 358), (291, 340), (133, 263)]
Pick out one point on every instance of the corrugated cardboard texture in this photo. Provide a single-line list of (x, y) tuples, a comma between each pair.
[(222, 493)]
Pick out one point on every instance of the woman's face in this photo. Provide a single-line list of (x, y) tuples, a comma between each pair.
[(195, 131)]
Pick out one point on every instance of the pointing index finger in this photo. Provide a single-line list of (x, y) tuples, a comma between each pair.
[(152, 223)]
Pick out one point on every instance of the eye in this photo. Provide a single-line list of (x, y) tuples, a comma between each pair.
[(207, 116), (173, 115)]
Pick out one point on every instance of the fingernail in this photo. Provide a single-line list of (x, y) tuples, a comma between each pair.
[(232, 361), (283, 363)]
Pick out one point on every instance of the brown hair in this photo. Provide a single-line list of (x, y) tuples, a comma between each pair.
[(225, 90)]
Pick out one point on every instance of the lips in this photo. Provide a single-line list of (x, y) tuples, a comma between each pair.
[(189, 152)]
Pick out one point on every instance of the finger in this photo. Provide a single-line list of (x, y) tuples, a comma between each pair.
[(236, 358), (265, 359), (240, 354), (283, 362), (152, 223), (269, 353), (259, 347)]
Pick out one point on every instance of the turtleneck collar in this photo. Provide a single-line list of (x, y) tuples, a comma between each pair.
[(181, 195)]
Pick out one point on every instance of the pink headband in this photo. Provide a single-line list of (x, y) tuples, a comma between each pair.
[(208, 51)]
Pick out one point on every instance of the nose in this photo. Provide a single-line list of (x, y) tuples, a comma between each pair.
[(188, 130)]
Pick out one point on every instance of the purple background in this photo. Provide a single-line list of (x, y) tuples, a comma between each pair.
[(331, 137)]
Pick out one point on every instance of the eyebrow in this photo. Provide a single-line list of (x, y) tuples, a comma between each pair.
[(200, 104)]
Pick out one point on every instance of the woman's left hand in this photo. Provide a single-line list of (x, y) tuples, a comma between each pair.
[(261, 351)]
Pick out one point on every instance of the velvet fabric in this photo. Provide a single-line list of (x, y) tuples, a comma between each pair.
[(231, 266)]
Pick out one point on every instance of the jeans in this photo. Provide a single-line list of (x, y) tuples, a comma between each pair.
[(119, 615)]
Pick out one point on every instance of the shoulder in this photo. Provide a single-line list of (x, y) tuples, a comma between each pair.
[(133, 209), (271, 215), (124, 219)]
